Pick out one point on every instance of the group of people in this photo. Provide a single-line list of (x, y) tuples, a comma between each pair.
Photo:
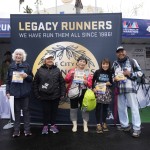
[(49, 86)]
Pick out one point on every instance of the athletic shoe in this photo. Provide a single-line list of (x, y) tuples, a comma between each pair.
[(126, 129), (45, 130), (27, 133), (136, 133), (105, 128), (16, 133), (99, 129), (54, 129)]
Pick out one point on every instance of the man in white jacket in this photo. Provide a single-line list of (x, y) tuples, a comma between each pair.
[(125, 78)]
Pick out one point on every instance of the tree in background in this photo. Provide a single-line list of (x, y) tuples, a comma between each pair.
[(28, 10), (78, 6), (20, 2)]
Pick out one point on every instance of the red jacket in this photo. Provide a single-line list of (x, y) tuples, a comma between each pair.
[(69, 79)]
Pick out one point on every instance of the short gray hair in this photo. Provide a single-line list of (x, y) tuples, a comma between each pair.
[(21, 51)]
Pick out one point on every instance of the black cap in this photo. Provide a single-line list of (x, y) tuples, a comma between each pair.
[(119, 48)]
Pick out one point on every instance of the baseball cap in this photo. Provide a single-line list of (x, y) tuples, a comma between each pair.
[(119, 48), (47, 56)]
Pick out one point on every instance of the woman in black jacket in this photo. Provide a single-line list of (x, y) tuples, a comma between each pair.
[(102, 80), (49, 87)]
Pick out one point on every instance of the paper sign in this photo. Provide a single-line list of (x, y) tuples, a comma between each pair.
[(120, 77), (101, 88), (17, 77), (11, 102), (79, 77)]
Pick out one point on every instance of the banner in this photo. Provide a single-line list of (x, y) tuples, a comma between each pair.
[(4, 28), (67, 37), (135, 28)]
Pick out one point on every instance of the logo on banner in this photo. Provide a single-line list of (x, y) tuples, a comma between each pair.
[(148, 29), (130, 27), (66, 55)]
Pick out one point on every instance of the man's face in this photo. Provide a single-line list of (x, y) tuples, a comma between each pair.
[(121, 54)]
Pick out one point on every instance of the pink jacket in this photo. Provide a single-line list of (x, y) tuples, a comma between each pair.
[(69, 79)]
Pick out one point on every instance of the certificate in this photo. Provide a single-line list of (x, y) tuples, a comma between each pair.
[(17, 78), (79, 77), (120, 77), (101, 88)]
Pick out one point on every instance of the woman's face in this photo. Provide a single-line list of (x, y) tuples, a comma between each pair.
[(105, 66), (18, 57), (81, 64), (49, 61)]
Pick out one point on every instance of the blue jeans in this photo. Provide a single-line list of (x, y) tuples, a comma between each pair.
[(21, 103), (130, 99)]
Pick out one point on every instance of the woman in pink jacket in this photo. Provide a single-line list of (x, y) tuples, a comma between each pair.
[(81, 77)]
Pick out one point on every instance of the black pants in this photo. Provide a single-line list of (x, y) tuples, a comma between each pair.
[(50, 109), (101, 113), (21, 103)]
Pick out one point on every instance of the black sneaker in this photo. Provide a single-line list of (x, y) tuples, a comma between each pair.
[(27, 133), (136, 133), (126, 129), (16, 133)]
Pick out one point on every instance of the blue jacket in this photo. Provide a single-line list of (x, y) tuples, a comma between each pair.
[(19, 90)]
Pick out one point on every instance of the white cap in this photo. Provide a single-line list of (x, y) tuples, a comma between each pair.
[(120, 48), (47, 56)]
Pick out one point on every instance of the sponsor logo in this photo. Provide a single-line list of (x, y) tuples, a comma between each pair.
[(130, 27), (66, 55)]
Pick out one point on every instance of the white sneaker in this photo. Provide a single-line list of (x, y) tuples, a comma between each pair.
[(74, 129), (136, 133)]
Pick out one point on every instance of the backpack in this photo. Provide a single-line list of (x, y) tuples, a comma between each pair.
[(89, 101), (139, 79), (142, 95)]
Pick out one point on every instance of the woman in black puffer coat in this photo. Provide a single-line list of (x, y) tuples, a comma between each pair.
[(49, 87)]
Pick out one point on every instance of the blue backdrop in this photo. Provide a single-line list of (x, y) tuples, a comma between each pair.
[(94, 35)]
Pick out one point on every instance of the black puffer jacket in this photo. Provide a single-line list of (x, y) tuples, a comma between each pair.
[(48, 83)]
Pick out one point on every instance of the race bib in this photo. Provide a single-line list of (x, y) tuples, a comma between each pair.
[(79, 77), (101, 88), (16, 77)]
